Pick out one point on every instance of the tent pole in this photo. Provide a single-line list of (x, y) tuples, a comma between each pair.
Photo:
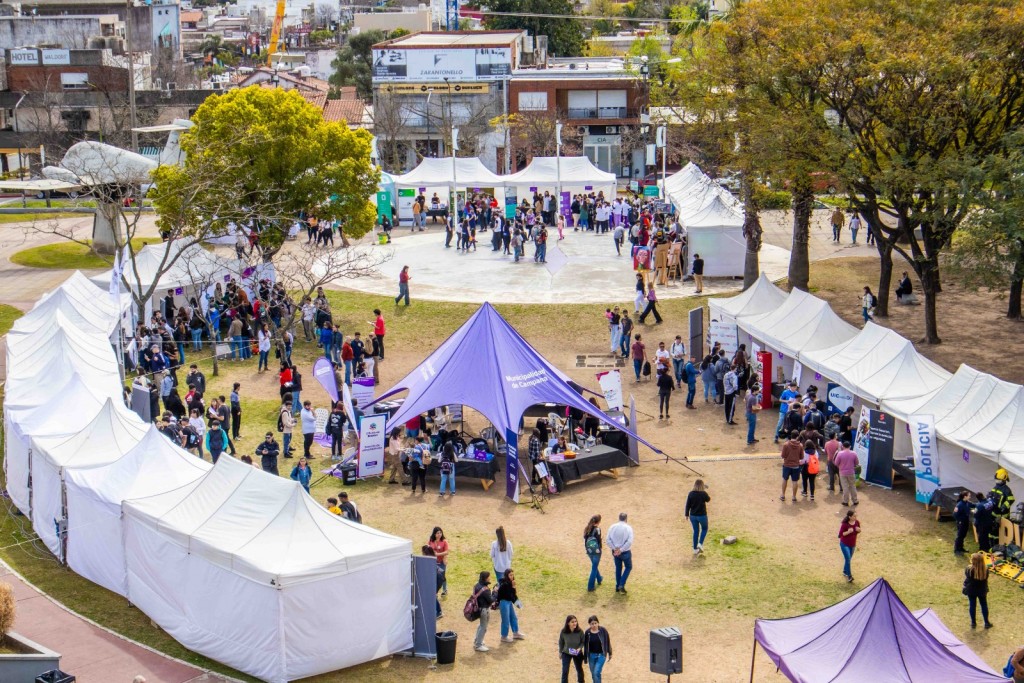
[(753, 655)]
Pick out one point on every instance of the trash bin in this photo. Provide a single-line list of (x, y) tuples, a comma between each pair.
[(54, 676), (446, 641)]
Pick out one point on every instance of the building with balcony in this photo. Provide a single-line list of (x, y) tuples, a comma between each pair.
[(602, 98), (426, 84)]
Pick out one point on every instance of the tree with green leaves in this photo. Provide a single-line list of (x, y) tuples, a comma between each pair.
[(989, 250), (273, 156), (354, 63), (565, 36)]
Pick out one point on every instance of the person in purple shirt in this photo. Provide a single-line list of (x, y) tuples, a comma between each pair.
[(846, 462)]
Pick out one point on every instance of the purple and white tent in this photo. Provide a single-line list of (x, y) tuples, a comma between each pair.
[(486, 365), (870, 636)]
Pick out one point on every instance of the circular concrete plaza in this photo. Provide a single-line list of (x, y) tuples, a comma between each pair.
[(590, 272)]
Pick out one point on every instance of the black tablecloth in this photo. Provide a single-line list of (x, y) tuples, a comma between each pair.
[(614, 438), (946, 498), (542, 410), (600, 458), (904, 468), (474, 469)]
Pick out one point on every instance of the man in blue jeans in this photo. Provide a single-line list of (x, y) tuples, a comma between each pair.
[(690, 372), (753, 404), (639, 354), (620, 541)]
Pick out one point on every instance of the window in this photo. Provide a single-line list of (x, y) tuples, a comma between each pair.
[(533, 101), (74, 81), (611, 104), (582, 104)]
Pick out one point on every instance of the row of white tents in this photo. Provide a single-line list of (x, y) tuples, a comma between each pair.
[(236, 564), (713, 219), (979, 419)]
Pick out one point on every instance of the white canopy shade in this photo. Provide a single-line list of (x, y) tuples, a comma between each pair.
[(95, 490), (802, 323), (759, 298), (57, 342), (715, 214), (571, 172), (80, 301), (713, 220), (464, 172), (877, 364)]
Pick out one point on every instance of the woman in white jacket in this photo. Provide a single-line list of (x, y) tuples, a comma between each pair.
[(263, 341), (501, 553)]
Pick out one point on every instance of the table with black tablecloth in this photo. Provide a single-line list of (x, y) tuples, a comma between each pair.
[(483, 470), (600, 459), (945, 499)]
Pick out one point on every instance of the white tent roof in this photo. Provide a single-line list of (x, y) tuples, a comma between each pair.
[(263, 527), (58, 350), (152, 466), (761, 297), (684, 177), (38, 334), (975, 411), (189, 264), (465, 172), (32, 391), (573, 172), (877, 364), (80, 301), (802, 323), (716, 213), (67, 412), (113, 431)]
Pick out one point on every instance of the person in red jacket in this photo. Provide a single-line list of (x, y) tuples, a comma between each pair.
[(347, 355), (378, 330)]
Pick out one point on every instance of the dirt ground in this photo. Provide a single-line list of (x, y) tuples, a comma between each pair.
[(787, 561)]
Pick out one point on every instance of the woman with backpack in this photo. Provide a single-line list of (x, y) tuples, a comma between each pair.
[(696, 512), (707, 377), (810, 465), (592, 544), (976, 589), (480, 608)]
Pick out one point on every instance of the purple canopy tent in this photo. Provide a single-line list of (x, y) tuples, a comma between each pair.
[(870, 636), (489, 367)]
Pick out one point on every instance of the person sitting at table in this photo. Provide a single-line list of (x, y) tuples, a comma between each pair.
[(561, 446)]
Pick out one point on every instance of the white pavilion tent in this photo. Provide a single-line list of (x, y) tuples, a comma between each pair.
[(977, 414), (759, 298), (57, 348), (574, 174), (134, 466), (713, 220), (245, 568), (803, 322), (444, 175), (89, 311), (113, 431), (877, 364)]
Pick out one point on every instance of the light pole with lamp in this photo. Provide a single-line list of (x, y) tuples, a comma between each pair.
[(558, 170), (645, 116)]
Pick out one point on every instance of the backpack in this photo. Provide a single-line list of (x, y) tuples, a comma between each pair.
[(874, 301), (1017, 515), (813, 464), (646, 372), (816, 419), (472, 608), (592, 545), (280, 421), (191, 437)]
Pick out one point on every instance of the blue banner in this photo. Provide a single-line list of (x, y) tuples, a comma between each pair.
[(512, 465)]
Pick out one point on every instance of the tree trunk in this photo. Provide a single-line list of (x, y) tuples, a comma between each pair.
[(752, 232), (799, 258), (1016, 285), (930, 285), (884, 276)]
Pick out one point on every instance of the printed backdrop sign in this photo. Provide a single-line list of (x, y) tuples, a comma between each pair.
[(837, 399), (764, 362), (862, 438), (881, 433), (926, 461), (362, 390), (371, 446), (512, 465), (724, 334), (611, 385)]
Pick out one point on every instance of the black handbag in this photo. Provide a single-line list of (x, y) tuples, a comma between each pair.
[(646, 372)]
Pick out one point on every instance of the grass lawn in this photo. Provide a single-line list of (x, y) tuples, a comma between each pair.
[(8, 314), (786, 562), (68, 255), (6, 218)]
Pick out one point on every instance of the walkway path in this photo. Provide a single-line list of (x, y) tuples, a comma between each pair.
[(88, 652)]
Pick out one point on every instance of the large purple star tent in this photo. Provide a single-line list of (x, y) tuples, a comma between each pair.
[(870, 636), (486, 365)]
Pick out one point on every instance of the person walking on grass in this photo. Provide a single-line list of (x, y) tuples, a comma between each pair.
[(665, 388), (403, 286), (597, 648), (508, 602), (570, 648), (439, 544), (638, 352), (731, 388), (849, 529), (976, 589), (484, 598), (792, 454), (809, 468), (696, 511), (652, 306), (962, 515), (752, 405), (302, 474), (592, 544), (620, 540)]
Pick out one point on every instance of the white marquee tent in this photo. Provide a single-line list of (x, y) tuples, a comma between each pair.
[(801, 323), (573, 173), (247, 569), (465, 172), (58, 347), (713, 220), (96, 485), (976, 413), (113, 430), (759, 298), (877, 364), (79, 301)]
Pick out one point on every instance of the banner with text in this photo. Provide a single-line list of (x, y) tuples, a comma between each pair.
[(764, 361), (372, 432), (324, 373), (837, 399), (881, 434), (724, 334), (512, 465), (362, 390), (926, 452), (611, 385)]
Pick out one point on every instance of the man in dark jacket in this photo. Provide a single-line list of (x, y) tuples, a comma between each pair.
[(268, 452), (336, 429)]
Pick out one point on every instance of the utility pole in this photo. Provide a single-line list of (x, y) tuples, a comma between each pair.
[(131, 76)]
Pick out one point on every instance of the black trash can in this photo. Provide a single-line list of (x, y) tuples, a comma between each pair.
[(54, 676), (446, 641)]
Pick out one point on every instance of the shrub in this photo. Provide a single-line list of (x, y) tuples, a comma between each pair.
[(771, 199), (8, 606)]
